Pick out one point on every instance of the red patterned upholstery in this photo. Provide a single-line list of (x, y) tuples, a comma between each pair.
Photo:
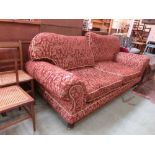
[(59, 50), (97, 83), (60, 83), (122, 49), (88, 108), (103, 47), (135, 61), (85, 86), (127, 73)]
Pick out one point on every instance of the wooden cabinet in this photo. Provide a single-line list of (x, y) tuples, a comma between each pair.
[(62, 26), (140, 31), (104, 25)]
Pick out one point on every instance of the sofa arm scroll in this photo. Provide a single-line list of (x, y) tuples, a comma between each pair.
[(58, 82)]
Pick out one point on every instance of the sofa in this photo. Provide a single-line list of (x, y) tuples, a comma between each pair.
[(79, 74)]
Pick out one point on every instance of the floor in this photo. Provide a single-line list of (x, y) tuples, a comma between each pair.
[(127, 114)]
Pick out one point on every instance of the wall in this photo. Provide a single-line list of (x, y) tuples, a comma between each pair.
[(151, 36)]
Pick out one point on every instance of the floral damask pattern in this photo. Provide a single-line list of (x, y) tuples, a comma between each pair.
[(137, 62), (103, 47), (87, 108), (56, 80), (77, 103), (127, 73), (79, 91), (68, 52), (97, 83)]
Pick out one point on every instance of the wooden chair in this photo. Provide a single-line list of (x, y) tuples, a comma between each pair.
[(13, 97), (8, 78)]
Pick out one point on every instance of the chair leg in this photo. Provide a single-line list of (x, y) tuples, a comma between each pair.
[(70, 126), (33, 116)]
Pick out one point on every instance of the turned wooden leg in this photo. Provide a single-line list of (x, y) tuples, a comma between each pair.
[(33, 117), (70, 126)]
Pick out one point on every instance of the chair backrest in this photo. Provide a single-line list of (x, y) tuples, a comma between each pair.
[(18, 46)]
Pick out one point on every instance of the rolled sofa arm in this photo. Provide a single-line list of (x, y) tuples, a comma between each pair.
[(58, 82), (138, 62)]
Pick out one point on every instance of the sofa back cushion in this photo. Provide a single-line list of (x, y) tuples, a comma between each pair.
[(104, 47), (67, 52)]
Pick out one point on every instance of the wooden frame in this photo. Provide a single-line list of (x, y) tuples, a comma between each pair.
[(102, 24), (19, 21), (28, 105), (140, 32), (149, 21), (18, 46)]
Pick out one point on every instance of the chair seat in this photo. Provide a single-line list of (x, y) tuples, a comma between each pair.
[(127, 73), (97, 83), (9, 78), (13, 96)]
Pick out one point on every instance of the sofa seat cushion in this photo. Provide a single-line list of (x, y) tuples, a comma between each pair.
[(127, 73), (97, 83), (67, 52)]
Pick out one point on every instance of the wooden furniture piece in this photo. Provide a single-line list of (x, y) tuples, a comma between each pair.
[(149, 21), (139, 45), (13, 97), (150, 48), (8, 78), (100, 32), (140, 31), (103, 25)]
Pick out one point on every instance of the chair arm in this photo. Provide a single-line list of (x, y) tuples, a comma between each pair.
[(136, 61), (57, 81)]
